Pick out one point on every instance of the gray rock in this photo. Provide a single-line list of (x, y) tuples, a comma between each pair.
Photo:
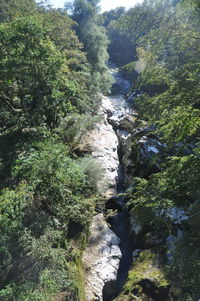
[(103, 144), (102, 255), (101, 258), (175, 214)]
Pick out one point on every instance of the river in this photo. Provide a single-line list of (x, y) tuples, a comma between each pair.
[(108, 257), (120, 222)]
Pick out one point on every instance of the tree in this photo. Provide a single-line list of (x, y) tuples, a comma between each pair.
[(35, 82), (95, 42), (113, 14), (10, 9)]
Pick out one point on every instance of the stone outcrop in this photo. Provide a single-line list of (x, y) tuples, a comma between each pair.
[(102, 144), (101, 259), (147, 280), (136, 144), (102, 255)]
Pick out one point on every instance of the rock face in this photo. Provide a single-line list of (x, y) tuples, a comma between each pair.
[(102, 143), (102, 255), (137, 147), (101, 260)]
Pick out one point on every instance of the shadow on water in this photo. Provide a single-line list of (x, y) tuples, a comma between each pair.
[(120, 225)]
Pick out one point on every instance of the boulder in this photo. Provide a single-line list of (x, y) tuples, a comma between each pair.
[(101, 259), (136, 253), (124, 120), (128, 123), (125, 141), (147, 280)]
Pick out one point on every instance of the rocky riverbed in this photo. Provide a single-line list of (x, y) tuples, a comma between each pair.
[(122, 144), (107, 257)]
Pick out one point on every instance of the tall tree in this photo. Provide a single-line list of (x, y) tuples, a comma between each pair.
[(10, 9), (94, 39), (35, 81)]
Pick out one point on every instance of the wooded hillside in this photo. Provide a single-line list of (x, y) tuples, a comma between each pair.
[(53, 71)]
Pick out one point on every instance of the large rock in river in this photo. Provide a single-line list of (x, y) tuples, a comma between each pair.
[(101, 260)]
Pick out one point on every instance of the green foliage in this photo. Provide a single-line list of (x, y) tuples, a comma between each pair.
[(93, 172), (194, 3), (12, 9), (176, 185), (119, 43), (59, 183), (52, 204), (60, 29), (113, 14), (36, 75), (144, 268), (73, 127), (13, 204), (182, 124), (95, 42), (154, 80), (186, 265), (29, 265), (48, 194)]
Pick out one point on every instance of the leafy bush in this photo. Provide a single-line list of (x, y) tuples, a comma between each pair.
[(93, 172), (58, 181), (73, 127), (51, 204)]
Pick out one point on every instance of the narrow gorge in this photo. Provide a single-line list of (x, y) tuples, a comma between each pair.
[(117, 238), (99, 161), (108, 256)]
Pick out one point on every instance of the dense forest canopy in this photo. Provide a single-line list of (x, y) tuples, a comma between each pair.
[(54, 68)]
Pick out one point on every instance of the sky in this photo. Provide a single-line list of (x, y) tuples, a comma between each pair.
[(105, 4)]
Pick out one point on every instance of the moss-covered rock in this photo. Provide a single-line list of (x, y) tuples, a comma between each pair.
[(146, 280)]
